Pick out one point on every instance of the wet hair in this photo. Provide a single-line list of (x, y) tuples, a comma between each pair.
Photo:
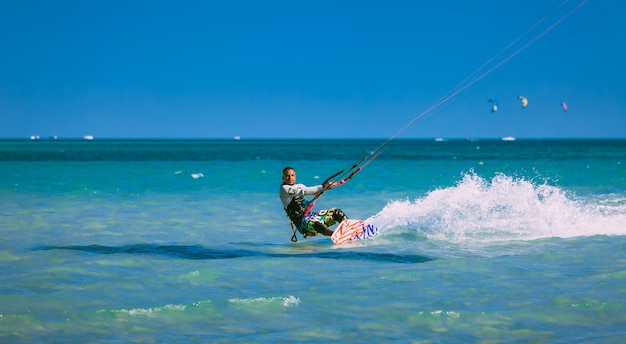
[(288, 168)]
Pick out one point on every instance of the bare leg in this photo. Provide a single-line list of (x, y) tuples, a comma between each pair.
[(322, 228)]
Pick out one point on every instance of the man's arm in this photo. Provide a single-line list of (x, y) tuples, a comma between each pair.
[(287, 192)]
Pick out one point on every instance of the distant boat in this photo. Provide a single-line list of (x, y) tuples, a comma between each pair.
[(439, 139), (508, 138), (88, 137), (34, 137), (237, 137)]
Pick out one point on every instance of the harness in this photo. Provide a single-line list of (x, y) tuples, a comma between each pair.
[(296, 210)]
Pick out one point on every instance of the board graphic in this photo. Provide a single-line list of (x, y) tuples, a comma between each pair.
[(353, 230)]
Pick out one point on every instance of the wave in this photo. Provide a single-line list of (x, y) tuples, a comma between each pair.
[(504, 209), (277, 301), (274, 303), (149, 312), (195, 252)]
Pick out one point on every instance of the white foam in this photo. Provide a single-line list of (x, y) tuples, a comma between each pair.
[(503, 209), (285, 301), (149, 312)]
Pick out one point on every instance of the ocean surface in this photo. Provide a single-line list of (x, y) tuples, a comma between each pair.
[(153, 241)]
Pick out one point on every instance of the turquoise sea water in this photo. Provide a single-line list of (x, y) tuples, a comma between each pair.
[(482, 241)]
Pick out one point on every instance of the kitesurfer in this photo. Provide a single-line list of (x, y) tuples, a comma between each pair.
[(292, 197)]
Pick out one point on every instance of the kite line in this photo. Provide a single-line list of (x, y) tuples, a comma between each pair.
[(343, 176)]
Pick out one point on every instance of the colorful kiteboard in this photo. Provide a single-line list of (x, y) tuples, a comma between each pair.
[(353, 230)]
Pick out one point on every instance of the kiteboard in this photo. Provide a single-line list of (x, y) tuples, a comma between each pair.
[(353, 230)]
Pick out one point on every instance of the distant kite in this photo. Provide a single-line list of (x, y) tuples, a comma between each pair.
[(564, 106), (494, 105), (524, 101)]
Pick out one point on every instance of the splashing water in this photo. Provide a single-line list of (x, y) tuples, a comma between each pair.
[(504, 209)]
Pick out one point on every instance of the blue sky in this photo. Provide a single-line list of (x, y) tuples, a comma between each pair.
[(310, 69)]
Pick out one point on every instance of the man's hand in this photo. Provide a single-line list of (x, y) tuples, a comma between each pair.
[(329, 185)]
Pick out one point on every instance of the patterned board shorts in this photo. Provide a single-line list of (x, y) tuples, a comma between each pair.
[(324, 216)]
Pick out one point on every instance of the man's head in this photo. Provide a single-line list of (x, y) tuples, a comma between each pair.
[(289, 175)]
